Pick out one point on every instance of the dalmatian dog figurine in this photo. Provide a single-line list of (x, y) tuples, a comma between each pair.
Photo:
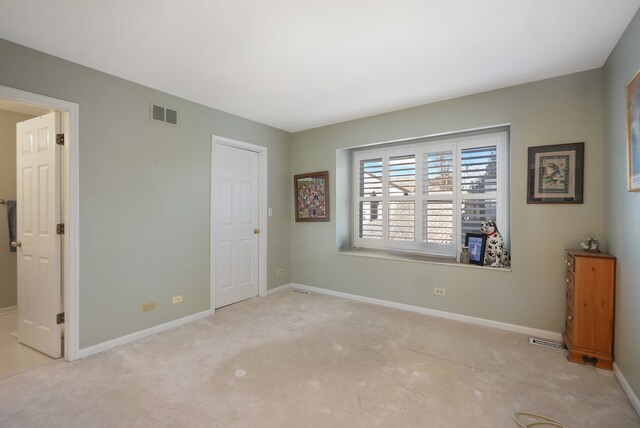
[(495, 254)]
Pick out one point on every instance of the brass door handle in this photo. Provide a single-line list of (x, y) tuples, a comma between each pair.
[(256, 231), (16, 244)]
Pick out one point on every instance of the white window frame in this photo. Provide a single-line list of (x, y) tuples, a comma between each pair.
[(418, 149)]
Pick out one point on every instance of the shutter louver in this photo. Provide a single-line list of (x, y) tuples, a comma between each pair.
[(402, 175), (478, 170), (438, 173), (371, 178), (438, 222), (402, 220), (474, 213), (370, 220)]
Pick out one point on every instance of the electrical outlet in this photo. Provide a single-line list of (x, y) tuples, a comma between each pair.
[(149, 306), (439, 291), (280, 271), (177, 299)]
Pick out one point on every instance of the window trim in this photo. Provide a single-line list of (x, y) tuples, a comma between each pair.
[(418, 147)]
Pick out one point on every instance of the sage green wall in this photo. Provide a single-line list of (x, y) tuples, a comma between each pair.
[(561, 110), (144, 193), (622, 207), (8, 279)]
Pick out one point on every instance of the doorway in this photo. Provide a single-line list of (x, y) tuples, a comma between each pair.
[(64, 116), (15, 357), (238, 221)]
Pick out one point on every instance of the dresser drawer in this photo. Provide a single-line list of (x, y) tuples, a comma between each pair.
[(571, 282), (571, 263), (569, 317)]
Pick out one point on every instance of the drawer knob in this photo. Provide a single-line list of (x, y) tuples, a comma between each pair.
[(569, 317), (567, 280)]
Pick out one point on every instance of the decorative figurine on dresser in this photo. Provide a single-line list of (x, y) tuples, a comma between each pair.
[(588, 331)]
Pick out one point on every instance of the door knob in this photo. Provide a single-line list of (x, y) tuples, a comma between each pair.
[(256, 231), (16, 244)]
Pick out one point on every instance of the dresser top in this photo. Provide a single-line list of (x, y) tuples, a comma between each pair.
[(581, 253)]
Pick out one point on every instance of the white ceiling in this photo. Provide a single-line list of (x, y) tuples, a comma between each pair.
[(300, 64)]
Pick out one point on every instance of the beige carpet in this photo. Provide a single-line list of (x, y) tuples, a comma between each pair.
[(292, 360)]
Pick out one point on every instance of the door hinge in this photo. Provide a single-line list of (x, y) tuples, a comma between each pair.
[(60, 228), (60, 318), (60, 139)]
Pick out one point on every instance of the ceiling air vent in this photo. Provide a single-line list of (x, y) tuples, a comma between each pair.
[(164, 114)]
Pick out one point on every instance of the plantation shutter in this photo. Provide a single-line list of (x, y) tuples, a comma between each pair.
[(402, 189), (370, 211), (478, 187), (438, 221)]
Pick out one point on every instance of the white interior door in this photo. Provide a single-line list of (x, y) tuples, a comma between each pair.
[(38, 213), (236, 216)]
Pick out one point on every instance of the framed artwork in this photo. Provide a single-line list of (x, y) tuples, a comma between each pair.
[(633, 132), (556, 174), (476, 242), (311, 192)]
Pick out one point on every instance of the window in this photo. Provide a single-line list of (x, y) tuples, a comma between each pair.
[(424, 196)]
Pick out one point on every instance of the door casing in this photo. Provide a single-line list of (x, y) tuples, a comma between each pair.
[(70, 208), (262, 186)]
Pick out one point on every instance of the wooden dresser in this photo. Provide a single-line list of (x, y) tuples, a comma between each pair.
[(588, 331)]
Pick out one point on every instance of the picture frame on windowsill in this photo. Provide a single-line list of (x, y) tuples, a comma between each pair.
[(476, 243)]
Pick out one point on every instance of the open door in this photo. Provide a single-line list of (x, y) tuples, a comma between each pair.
[(38, 243)]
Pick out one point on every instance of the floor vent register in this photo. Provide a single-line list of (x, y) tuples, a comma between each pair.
[(546, 343)]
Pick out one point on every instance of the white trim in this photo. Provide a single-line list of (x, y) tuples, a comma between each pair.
[(71, 210), (8, 310), (279, 289), (109, 344), (543, 334), (635, 401), (263, 177)]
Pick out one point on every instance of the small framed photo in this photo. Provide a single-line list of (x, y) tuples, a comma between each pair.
[(311, 193), (556, 174), (476, 242), (633, 132)]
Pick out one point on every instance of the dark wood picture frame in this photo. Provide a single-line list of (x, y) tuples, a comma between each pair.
[(556, 174), (477, 244), (633, 132), (311, 196)]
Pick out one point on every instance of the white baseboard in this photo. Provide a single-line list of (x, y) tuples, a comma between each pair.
[(8, 310), (635, 401), (543, 334), (279, 289), (92, 350)]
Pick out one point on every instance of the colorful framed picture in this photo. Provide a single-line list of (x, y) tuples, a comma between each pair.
[(311, 192), (476, 242), (633, 131), (556, 174)]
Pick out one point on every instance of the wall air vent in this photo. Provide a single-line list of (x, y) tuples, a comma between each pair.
[(163, 114)]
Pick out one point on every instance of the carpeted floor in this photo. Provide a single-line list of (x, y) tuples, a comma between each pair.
[(293, 360)]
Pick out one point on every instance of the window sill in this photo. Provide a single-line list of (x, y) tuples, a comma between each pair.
[(416, 258)]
